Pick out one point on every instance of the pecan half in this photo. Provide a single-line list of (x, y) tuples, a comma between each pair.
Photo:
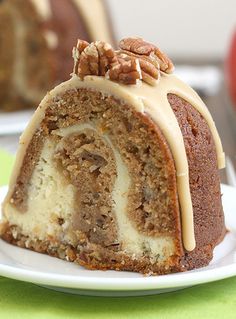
[(141, 47), (125, 70), (94, 58), (149, 68), (136, 60), (107, 56), (81, 45)]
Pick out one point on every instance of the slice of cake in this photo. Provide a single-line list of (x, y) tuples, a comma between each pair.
[(36, 37), (118, 168)]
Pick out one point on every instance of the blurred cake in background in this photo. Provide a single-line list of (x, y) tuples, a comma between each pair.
[(36, 38)]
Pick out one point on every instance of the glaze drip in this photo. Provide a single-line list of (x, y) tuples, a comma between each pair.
[(151, 100)]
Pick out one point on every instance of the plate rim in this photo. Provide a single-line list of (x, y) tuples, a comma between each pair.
[(181, 279), (118, 284), (19, 126)]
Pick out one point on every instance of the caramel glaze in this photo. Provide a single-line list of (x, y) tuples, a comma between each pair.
[(153, 101)]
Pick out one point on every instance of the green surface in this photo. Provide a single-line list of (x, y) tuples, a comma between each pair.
[(6, 163), (24, 300)]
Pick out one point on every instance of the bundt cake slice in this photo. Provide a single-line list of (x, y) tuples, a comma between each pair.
[(36, 37), (118, 168)]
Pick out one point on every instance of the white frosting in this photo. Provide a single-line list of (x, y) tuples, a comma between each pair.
[(153, 101)]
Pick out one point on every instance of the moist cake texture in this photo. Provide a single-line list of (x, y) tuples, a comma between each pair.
[(97, 179)]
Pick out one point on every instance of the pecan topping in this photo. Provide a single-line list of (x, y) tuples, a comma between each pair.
[(143, 48), (149, 68), (94, 58), (81, 45), (136, 60), (126, 70)]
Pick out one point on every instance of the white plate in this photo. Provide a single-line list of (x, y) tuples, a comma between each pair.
[(25, 265), (14, 122)]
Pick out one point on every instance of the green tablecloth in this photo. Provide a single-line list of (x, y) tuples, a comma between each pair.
[(24, 300)]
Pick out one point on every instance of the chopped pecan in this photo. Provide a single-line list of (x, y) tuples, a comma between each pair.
[(141, 47), (125, 70)]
